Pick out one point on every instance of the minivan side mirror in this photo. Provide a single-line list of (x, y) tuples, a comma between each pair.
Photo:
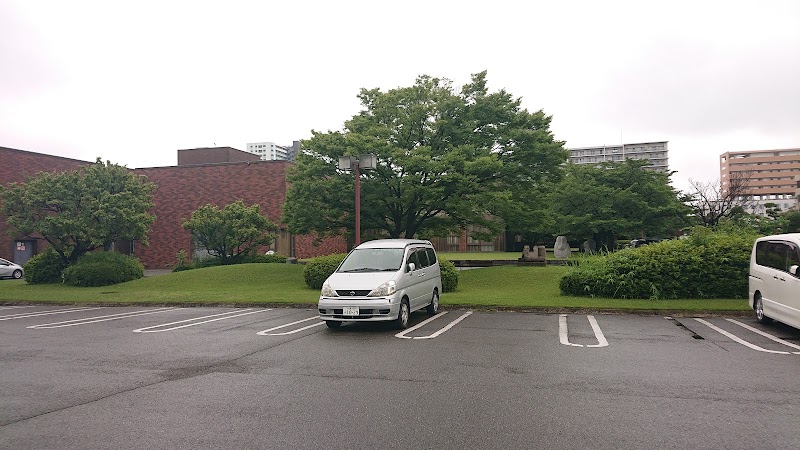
[(411, 267), (793, 270)]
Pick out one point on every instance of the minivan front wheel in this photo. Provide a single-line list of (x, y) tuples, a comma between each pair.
[(758, 306), (402, 316), (433, 308), (17, 274)]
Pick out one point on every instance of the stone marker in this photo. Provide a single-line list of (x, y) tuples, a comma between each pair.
[(538, 254), (589, 246), (561, 249)]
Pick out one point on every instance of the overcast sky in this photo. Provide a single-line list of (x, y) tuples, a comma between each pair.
[(132, 82)]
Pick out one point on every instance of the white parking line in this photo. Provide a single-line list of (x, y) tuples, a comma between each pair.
[(735, 338), (88, 320), (15, 307), (766, 335), (402, 334), (57, 311), (267, 332), (563, 333), (228, 315)]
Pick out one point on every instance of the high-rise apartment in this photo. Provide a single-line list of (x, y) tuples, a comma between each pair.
[(269, 151), (657, 153), (770, 177)]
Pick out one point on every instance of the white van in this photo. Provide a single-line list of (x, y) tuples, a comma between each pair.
[(385, 279), (775, 279)]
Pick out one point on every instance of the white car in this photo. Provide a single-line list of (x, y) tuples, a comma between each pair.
[(775, 279), (9, 269), (382, 280)]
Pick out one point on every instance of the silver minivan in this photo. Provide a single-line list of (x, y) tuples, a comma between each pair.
[(774, 287), (382, 280)]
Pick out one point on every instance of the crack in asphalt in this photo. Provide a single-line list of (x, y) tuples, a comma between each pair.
[(168, 375)]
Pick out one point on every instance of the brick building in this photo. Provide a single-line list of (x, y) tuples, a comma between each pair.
[(217, 176), (15, 167)]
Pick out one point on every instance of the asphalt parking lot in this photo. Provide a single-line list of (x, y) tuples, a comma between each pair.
[(79, 377)]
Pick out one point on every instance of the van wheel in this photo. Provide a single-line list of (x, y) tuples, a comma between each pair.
[(402, 316), (758, 306), (333, 324), (433, 308)]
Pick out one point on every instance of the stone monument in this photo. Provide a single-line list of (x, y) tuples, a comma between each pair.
[(561, 249), (538, 254)]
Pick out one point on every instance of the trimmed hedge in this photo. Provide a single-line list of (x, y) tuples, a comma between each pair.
[(265, 259), (103, 269), (44, 268), (706, 265), (212, 262), (449, 275), (317, 270)]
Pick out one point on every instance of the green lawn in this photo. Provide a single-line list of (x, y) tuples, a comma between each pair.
[(490, 256), (531, 288)]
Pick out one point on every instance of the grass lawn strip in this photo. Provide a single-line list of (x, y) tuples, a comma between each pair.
[(506, 287)]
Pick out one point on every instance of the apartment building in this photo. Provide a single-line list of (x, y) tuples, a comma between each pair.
[(269, 151), (657, 153), (771, 177)]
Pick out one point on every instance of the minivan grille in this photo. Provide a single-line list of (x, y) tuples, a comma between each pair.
[(353, 293)]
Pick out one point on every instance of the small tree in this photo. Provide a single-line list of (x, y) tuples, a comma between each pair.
[(82, 210), (712, 202), (230, 233), (792, 218)]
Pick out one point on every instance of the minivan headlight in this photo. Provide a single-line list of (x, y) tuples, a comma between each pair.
[(327, 291), (388, 288)]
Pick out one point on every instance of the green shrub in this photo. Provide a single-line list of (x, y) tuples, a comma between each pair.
[(183, 264), (707, 265), (46, 267), (102, 269), (317, 270), (268, 259), (182, 261), (449, 275)]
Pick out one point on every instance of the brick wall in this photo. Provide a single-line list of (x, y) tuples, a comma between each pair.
[(15, 167), (305, 247), (180, 190), (213, 155), (183, 189)]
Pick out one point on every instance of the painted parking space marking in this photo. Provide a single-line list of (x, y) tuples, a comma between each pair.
[(227, 315), (15, 307), (269, 332), (766, 335), (402, 334), (563, 333), (96, 319), (739, 340), (40, 313)]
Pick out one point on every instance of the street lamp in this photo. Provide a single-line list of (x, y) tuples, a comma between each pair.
[(356, 163)]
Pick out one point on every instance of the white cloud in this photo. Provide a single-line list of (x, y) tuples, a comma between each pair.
[(135, 82)]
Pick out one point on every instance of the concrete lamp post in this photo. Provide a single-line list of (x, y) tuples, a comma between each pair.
[(356, 163)]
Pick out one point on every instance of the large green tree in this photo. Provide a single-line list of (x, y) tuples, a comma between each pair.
[(616, 200), (81, 210), (230, 233), (446, 159)]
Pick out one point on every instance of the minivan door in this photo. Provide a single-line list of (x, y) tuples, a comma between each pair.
[(414, 280), (789, 288)]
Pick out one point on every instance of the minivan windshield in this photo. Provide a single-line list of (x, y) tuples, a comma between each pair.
[(373, 260)]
